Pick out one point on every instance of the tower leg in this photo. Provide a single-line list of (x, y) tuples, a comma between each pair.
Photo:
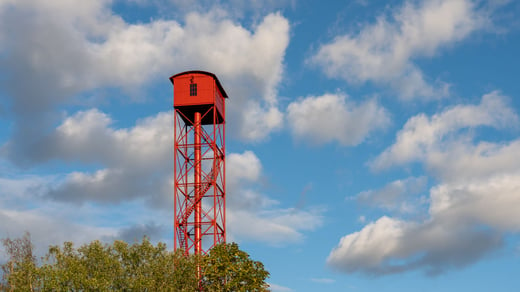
[(197, 180)]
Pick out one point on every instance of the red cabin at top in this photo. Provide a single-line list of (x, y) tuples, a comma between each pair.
[(199, 91)]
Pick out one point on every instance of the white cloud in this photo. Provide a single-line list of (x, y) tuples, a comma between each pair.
[(472, 208), (466, 162), (467, 222), (492, 201), (389, 246), (124, 54), (383, 52), (87, 48), (134, 161), (368, 247), (258, 122), (421, 134), (85, 136), (331, 117), (245, 166)]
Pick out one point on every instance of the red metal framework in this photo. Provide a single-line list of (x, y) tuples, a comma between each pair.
[(199, 162)]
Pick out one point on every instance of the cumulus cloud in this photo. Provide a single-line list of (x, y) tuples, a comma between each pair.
[(389, 246), (85, 135), (467, 222), (244, 167), (490, 201), (259, 121), (66, 50), (135, 160), (383, 52), (472, 208), (332, 117), (421, 135)]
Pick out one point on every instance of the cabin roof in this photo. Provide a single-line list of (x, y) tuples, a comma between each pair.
[(205, 73)]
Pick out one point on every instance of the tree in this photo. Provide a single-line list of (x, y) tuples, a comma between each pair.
[(97, 266), (141, 266), (227, 268), (19, 272)]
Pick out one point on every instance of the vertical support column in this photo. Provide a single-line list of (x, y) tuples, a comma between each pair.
[(197, 181), (214, 149)]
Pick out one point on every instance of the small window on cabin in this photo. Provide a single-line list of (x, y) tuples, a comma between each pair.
[(193, 89)]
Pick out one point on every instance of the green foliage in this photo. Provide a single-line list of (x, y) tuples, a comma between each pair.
[(20, 272), (227, 268), (141, 266)]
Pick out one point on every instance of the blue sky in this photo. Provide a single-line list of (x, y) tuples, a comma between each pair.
[(371, 145)]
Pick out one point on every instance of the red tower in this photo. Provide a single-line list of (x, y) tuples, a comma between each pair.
[(199, 164)]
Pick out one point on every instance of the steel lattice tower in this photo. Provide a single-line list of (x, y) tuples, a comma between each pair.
[(199, 162)]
